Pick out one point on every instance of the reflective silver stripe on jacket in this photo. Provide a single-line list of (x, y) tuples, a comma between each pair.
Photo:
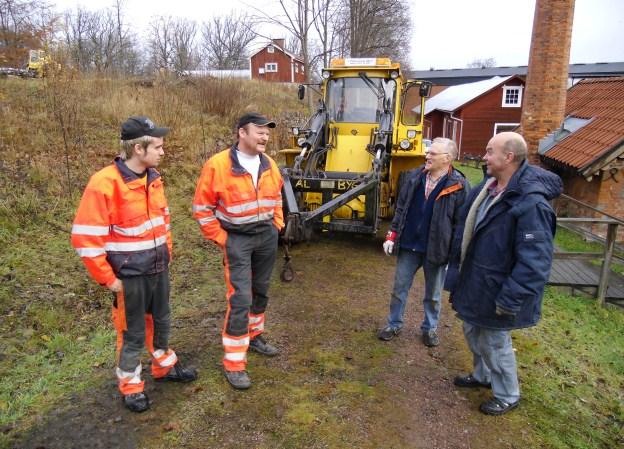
[(241, 208), (90, 252), (140, 229), (245, 220), (135, 246), (90, 230), (206, 220), (203, 207)]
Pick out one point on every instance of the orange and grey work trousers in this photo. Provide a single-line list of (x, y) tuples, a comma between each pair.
[(141, 316), (249, 260)]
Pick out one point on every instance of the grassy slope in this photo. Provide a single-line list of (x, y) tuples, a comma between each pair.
[(55, 338)]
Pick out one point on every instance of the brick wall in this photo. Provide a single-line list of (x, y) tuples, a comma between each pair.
[(545, 96)]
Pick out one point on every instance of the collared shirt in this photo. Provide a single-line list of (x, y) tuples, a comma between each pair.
[(431, 184), (487, 201)]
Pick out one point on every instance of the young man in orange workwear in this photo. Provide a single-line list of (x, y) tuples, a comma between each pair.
[(122, 233), (238, 205)]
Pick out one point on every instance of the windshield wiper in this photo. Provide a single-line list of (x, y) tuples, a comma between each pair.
[(378, 90)]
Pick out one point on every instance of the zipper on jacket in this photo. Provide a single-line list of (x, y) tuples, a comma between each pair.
[(149, 217)]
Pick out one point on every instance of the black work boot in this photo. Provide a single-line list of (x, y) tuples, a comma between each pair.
[(178, 373), (260, 345), (238, 379), (497, 406), (136, 402), (388, 333)]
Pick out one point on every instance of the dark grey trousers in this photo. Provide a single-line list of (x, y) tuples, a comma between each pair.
[(144, 295), (249, 262)]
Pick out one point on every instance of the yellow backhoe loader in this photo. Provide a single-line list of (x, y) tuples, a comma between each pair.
[(344, 170)]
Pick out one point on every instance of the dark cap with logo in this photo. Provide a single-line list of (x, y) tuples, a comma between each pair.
[(255, 118), (139, 126)]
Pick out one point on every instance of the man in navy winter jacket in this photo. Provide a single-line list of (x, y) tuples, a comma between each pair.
[(501, 259), (421, 233)]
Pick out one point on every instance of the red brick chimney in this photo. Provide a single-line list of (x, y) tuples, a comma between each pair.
[(279, 42), (547, 77)]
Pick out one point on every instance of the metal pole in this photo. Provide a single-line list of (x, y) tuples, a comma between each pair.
[(606, 263)]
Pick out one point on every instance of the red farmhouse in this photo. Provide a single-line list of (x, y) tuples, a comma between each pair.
[(273, 63), (472, 113)]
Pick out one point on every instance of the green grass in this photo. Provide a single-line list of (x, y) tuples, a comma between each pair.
[(572, 374), (569, 241), (473, 175)]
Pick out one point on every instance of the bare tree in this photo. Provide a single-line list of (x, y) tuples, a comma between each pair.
[(225, 41), (103, 40), (77, 26), (328, 27), (100, 40), (24, 25), (379, 28), (161, 42), (184, 52), (481, 63), (128, 54), (172, 44)]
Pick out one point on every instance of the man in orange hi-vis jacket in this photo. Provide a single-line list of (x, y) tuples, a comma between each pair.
[(122, 233), (238, 204)]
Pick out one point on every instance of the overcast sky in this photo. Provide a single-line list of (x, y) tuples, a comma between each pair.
[(447, 33)]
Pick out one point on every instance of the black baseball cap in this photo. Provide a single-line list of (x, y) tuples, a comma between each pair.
[(255, 118), (139, 126)]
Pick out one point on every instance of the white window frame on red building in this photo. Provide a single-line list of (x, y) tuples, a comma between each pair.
[(506, 125), (270, 67), (518, 102)]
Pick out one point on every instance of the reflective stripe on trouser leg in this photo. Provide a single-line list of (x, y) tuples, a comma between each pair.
[(235, 348), (162, 362), (256, 325), (130, 382)]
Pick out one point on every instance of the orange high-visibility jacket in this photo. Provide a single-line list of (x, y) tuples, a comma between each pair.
[(122, 225), (227, 200)]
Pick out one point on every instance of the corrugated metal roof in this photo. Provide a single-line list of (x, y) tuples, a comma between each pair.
[(601, 100), (574, 71), (453, 97)]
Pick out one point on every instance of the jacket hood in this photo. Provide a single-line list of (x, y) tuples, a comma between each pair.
[(533, 179)]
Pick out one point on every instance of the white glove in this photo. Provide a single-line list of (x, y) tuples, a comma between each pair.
[(388, 246)]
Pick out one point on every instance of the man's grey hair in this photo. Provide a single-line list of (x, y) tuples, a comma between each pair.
[(518, 146), (449, 146), (127, 146)]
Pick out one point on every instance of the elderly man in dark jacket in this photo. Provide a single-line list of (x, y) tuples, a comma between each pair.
[(501, 259), (421, 234)]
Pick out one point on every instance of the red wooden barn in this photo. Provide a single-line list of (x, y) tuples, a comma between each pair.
[(274, 63), (472, 113)]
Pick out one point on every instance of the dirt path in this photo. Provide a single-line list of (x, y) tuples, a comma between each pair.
[(334, 386)]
